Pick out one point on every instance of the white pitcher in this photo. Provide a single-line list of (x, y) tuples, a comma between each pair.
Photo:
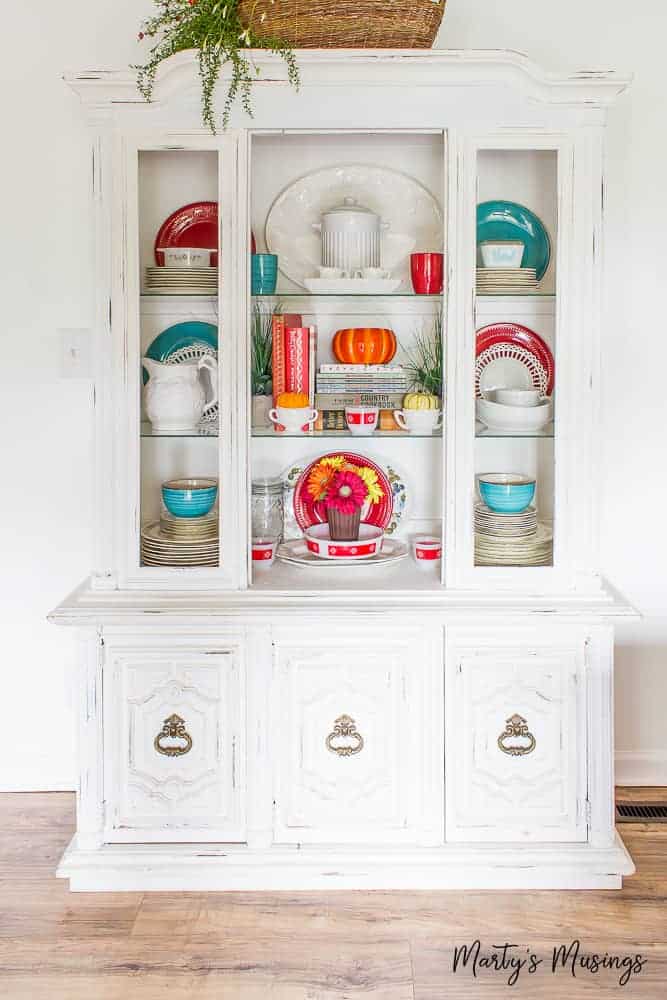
[(174, 395)]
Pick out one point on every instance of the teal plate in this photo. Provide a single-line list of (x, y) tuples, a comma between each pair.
[(506, 220), (179, 337)]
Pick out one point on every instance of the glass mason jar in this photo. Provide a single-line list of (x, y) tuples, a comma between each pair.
[(266, 508)]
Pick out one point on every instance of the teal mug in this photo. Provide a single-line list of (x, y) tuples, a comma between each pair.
[(264, 273)]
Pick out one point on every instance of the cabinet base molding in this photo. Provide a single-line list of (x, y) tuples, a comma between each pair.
[(235, 867)]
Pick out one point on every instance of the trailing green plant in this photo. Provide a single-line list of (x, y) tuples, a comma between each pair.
[(215, 29), (423, 359), (261, 350)]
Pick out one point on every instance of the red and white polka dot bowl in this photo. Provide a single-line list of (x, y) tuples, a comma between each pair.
[(367, 545)]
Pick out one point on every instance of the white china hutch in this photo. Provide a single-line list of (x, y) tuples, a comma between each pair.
[(348, 726)]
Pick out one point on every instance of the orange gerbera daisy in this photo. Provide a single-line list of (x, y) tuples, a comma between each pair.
[(319, 481), (321, 475)]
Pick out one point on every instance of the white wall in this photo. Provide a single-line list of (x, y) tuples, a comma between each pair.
[(45, 285)]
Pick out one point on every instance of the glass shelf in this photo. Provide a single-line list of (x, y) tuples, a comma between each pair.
[(516, 295), (263, 432), (203, 431), (180, 295), (348, 295), (486, 432)]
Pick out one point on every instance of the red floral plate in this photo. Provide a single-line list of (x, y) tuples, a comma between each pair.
[(194, 225), (519, 356), (308, 511)]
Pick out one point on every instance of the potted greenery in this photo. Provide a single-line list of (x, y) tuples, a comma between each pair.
[(261, 370), (219, 34), (423, 360)]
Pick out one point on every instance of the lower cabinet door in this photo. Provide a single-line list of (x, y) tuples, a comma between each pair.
[(515, 757), (174, 744), (357, 736)]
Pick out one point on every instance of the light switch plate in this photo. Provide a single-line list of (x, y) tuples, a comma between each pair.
[(75, 353)]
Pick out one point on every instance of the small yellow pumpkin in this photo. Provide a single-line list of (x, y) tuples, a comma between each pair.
[(293, 400), (421, 401)]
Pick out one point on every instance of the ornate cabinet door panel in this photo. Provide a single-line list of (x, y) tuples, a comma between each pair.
[(174, 744), (516, 739), (354, 731)]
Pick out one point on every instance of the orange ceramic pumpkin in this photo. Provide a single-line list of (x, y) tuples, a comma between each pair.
[(359, 345), (292, 400)]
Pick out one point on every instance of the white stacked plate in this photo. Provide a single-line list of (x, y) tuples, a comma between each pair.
[(160, 550), (182, 280), (191, 529), (535, 549), (506, 279), (494, 525)]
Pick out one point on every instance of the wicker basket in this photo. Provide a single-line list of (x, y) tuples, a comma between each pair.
[(347, 24)]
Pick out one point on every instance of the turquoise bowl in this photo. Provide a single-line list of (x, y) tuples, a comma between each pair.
[(189, 497), (505, 493)]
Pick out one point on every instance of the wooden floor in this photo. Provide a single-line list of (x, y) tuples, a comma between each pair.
[(281, 946)]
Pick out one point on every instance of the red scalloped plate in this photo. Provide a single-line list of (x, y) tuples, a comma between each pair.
[(519, 342), (193, 225), (308, 511)]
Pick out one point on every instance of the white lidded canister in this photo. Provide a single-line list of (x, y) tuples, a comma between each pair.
[(350, 236)]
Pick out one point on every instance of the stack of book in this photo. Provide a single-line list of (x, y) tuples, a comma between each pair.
[(339, 386)]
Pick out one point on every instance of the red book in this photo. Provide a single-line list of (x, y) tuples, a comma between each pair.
[(279, 323), (278, 355), (297, 377), (312, 363)]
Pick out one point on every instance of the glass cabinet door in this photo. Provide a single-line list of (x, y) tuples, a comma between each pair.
[(180, 518), (346, 358), (515, 377), (510, 444)]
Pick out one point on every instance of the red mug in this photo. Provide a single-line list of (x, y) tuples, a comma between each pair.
[(426, 270)]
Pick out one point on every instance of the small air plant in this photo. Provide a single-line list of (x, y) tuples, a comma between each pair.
[(261, 347), (423, 359)]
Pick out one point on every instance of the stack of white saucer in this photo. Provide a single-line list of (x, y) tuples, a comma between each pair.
[(511, 539), (182, 280), (504, 280)]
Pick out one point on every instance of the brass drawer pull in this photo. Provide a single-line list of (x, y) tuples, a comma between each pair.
[(516, 728), (173, 729), (345, 728)]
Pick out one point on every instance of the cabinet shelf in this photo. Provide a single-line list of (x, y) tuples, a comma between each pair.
[(348, 295), (264, 432), (516, 295), (203, 431), (486, 432)]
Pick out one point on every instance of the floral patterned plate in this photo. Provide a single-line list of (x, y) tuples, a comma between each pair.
[(292, 474)]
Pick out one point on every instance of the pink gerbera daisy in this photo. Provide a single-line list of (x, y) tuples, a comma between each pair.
[(347, 493)]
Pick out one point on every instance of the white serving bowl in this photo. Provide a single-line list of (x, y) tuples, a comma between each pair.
[(502, 253), (500, 417), (320, 544), (515, 397)]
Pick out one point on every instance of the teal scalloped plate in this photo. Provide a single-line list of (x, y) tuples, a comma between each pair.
[(182, 335), (507, 220)]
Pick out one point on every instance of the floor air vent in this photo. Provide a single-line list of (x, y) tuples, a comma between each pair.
[(641, 812)]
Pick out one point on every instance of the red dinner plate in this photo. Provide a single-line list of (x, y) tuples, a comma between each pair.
[(194, 225), (511, 340), (308, 511)]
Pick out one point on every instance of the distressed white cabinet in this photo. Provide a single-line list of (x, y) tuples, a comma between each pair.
[(383, 725), (175, 744), (516, 737), (356, 730)]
